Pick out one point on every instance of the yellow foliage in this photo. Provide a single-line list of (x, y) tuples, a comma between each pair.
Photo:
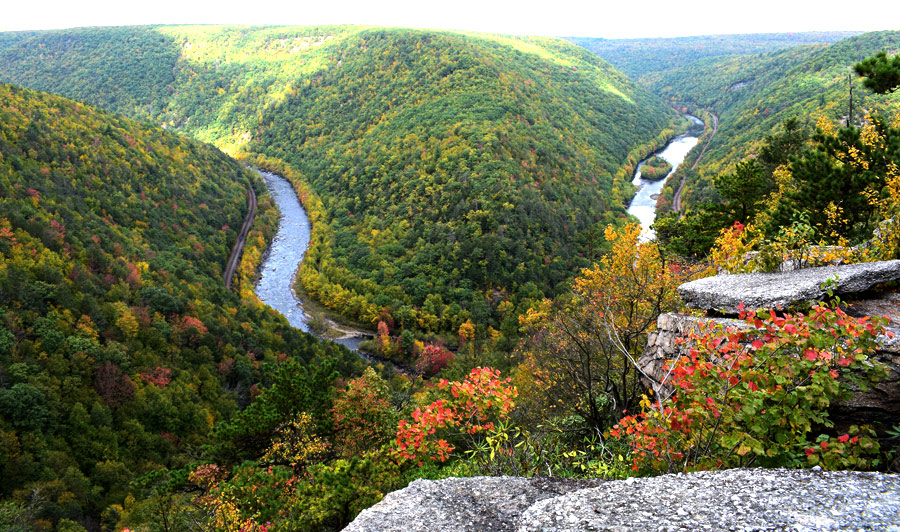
[(295, 444)]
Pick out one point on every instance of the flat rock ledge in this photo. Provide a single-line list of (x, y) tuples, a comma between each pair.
[(736, 499), (723, 293), (462, 504)]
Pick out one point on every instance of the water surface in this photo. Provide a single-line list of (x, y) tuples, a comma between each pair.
[(643, 205)]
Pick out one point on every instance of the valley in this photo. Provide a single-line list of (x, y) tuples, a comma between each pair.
[(643, 205), (496, 230)]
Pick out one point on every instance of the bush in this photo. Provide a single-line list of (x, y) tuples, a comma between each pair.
[(759, 396)]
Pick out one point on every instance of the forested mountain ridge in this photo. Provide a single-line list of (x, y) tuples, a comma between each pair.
[(645, 60), (120, 348), (445, 167)]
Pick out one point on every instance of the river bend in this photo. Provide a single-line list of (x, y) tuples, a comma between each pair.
[(643, 205)]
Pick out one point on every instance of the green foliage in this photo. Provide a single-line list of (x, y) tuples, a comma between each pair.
[(337, 492), (744, 190), (691, 234), (130, 70), (432, 164), (295, 388), (119, 346), (512, 450), (882, 74)]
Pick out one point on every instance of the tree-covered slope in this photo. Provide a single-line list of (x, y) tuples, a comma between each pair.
[(454, 167), (119, 345), (450, 167), (647, 59), (127, 70), (754, 95)]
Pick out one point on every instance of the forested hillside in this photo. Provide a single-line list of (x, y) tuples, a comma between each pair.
[(646, 60), (120, 348), (754, 95), (446, 173)]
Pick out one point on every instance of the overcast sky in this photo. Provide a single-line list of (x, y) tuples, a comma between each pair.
[(597, 18)]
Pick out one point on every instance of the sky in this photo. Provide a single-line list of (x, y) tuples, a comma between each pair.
[(585, 18)]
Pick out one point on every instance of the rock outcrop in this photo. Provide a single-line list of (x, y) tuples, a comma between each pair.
[(455, 504), (723, 293), (737, 499)]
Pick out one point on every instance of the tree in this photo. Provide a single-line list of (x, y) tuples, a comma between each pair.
[(583, 348), (362, 414), (882, 74), (25, 406), (744, 190), (840, 173)]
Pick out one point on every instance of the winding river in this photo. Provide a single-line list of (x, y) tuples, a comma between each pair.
[(279, 269), (644, 203)]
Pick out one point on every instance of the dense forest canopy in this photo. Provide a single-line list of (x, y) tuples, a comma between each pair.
[(119, 346), (444, 170)]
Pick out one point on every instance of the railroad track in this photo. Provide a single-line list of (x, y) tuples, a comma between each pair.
[(235, 257)]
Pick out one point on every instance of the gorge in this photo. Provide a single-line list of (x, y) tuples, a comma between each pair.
[(643, 205)]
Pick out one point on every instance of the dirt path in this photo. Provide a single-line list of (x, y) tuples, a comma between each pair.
[(235, 257), (676, 201)]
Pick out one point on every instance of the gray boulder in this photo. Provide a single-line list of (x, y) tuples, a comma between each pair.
[(723, 293), (737, 499), (456, 504)]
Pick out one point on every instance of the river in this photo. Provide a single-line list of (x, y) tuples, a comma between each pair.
[(643, 205), (279, 269)]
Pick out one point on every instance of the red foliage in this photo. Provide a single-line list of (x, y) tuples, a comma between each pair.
[(134, 277), (432, 360), (113, 384), (736, 389), (159, 376), (224, 367), (192, 325), (470, 406)]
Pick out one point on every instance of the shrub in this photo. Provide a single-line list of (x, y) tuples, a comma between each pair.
[(759, 396)]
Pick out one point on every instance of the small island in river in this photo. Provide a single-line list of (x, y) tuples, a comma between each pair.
[(655, 168)]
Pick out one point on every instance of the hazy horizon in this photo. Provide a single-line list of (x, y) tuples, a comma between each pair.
[(653, 18)]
